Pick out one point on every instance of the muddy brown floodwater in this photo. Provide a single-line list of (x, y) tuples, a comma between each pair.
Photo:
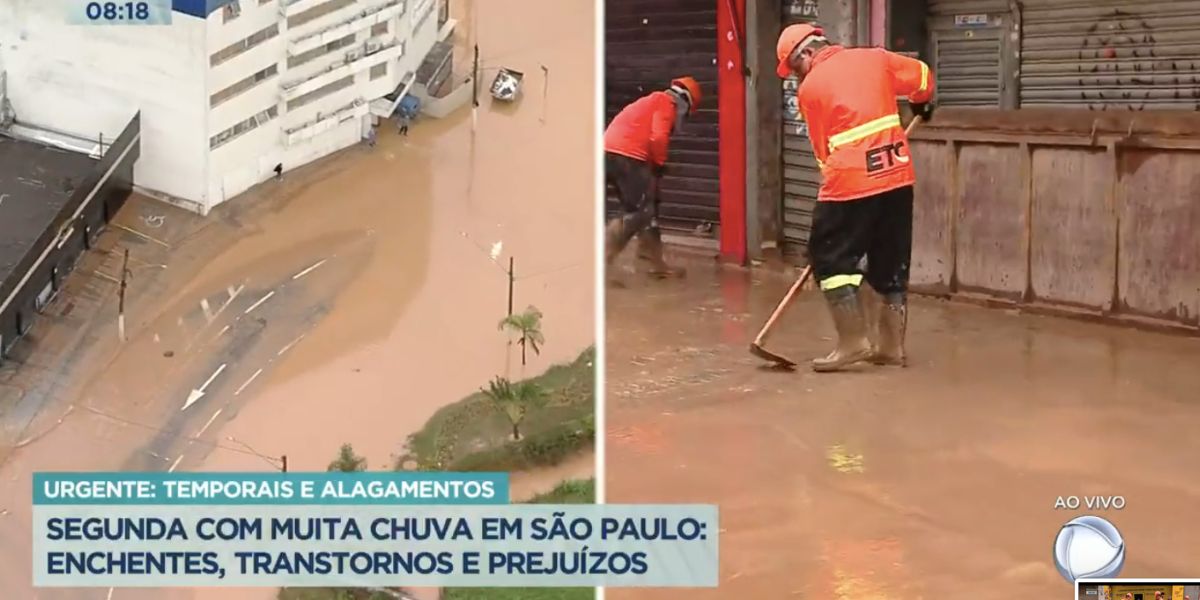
[(935, 481), (360, 293)]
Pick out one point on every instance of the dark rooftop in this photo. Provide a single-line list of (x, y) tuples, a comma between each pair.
[(36, 182), (435, 62)]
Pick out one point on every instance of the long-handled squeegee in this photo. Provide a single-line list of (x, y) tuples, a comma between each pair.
[(756, 347)]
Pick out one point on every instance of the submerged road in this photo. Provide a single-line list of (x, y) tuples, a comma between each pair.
[(939, 480), (344, 304)]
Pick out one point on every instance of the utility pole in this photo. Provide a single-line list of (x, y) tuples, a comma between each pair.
[(511, 280), (121, 300), (283, 459), (475, 79)]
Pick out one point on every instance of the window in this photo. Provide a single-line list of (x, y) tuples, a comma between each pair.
[(249, 124), (243, 85), (241, 46), (302, 58), (231, 11), (320, 92), (379, 29), (379, 70), (318, 11)]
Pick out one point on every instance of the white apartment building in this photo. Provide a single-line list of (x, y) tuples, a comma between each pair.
[(227, 91)]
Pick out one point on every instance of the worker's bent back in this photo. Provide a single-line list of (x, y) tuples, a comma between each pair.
[(848, 100), (642, 130)]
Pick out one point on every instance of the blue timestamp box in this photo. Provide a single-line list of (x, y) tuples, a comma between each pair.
[(119, 12)]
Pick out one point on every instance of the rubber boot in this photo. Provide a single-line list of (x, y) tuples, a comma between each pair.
[(650, 247), (852, 346), (872, 304), (893, 326), (614, 242)]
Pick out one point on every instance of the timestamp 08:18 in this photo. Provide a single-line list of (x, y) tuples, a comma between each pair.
[(118, 11), (127, 12)]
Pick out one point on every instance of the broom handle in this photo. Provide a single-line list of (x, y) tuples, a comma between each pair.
[(912, 125), (783, 304)]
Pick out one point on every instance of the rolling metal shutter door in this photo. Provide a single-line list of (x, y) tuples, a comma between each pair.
[(801, 177), (968, 42), (1098, 55), (647, 44)]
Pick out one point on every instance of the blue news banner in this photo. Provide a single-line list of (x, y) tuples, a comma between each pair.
[(353, 530)]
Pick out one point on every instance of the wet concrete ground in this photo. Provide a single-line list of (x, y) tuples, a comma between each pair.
[(345, 303), (939, 480)]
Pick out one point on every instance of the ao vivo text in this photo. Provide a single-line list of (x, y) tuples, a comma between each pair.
[(1090, 502)]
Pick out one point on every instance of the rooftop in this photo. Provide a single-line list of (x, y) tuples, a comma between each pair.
[(36, 183)]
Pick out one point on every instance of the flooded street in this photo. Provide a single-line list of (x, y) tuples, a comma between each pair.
[(347, 302), (935, 481)]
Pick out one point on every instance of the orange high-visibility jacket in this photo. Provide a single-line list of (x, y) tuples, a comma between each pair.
[(642, 130), (848, 100)]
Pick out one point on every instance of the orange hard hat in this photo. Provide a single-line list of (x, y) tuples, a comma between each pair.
[(688, 87), (792, 36)]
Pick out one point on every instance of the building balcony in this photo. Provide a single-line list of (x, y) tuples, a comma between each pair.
[(295, 115), (354, 60), (386, 106), (324, 122), (236, 109), (250, 61), (423, 10), (340, 23)]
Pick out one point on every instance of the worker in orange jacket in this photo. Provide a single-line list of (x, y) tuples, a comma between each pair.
[(635, 155), (847, 97)]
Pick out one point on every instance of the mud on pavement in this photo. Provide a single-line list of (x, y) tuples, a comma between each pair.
[(886, 483)]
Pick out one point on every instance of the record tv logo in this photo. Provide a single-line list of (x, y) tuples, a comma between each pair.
[(1089, 547)]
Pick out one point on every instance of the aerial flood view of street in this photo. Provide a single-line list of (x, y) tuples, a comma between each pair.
[(357, 300)]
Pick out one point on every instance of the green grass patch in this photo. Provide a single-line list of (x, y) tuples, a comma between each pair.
[(471, 435), (573, 491)]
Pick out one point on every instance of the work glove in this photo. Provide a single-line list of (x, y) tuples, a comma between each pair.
[(923, 110)]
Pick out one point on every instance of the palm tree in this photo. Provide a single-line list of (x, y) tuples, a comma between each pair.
[(528, 325), (515, 400), (347, 461)]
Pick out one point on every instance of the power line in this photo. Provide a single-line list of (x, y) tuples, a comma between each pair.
[(160, 430), (552, 271)]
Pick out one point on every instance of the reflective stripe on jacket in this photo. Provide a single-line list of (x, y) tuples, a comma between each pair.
[(642, 130), (848, 100)]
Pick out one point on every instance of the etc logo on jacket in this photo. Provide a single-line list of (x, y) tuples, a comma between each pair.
[(886, 157)]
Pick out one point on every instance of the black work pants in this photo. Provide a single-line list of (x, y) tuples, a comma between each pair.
[(878, 228), (636, 187)]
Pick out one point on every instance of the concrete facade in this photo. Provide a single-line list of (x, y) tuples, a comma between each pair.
[(227, 91)]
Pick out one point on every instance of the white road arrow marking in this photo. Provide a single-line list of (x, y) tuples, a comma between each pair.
[(198, 393)]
